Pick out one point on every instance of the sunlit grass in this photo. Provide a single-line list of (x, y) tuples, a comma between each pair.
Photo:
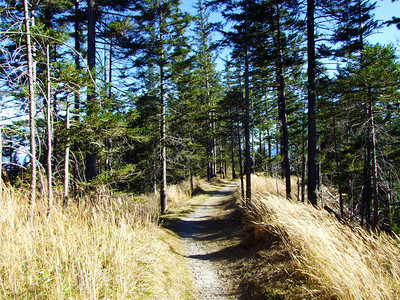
[(346, 261), (87, 252)]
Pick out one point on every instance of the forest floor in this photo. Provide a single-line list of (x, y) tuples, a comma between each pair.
[(212, 238)]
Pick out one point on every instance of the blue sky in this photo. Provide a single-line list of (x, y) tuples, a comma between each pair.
[(385, 10)]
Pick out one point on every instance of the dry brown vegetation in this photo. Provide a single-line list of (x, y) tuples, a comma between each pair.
[(109, 249), (310, 254), (110, 246)]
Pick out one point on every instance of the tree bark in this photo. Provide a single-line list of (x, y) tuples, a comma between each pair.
[(374, 168), (1, 164), (49, 138), (110, 68), (312, 128), (284, 136), (303, 161), (77, 101), (66, 155), (367, 188), (247, 108), (163, 150), (211, 144), (91, 157), (338, 169), (233, 158), (191, 178), (32, 114), (240, 161)]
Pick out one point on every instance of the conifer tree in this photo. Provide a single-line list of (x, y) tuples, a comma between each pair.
[(164, 27), (368, 87), (91, 171), (277, 30), (207, 83), (32, 110), (312, 127), (239, 39), (355, 23)]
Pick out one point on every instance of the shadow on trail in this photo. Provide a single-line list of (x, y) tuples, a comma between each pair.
[(216, 189), (231, 253), (206, 229), (215, 223)]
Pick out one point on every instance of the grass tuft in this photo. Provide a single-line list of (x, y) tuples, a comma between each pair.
[(87, 252), (344, 261)]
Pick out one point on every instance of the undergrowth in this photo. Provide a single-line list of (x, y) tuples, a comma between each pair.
[(111, 248), (305, 253)]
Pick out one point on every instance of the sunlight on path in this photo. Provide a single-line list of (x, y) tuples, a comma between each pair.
[(201, 229)]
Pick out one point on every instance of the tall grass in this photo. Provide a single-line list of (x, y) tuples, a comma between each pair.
[(347, 261), (86, 252), (176, 194), (273, 186)]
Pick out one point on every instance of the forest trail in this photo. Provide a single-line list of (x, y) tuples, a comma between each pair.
[(211, 235)]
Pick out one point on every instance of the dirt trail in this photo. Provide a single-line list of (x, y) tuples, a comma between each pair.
[(227, 259), (212, 234)]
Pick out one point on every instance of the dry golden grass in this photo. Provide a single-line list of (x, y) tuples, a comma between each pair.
[(87, 252), (176, 194), (347, 262), (181, 192), (273, 186)]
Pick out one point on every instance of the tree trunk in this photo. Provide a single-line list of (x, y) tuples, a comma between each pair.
[(303, 161), (260, 140), (240, 161), (247, 108), (1, 164), (269, 144), (211, 150), (374, 168), (312, 128), (284, 136), (191, 178), (77, 101), (209, 164), (221, 171), (66, 155), (49, 138), (211, 145), (252, 154), (32, 114), (367, 188), (225, 167), (338, 169), (233, 158), (110, 68), (214, 147), (163, 149), (91, 157)]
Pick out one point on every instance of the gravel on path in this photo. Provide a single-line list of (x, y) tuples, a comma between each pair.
[(212, 238)]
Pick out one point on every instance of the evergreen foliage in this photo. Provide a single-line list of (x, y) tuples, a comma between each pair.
[(147, 102)]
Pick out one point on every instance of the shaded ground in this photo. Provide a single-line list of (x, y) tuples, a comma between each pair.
[(227, 259), (212, 235)]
